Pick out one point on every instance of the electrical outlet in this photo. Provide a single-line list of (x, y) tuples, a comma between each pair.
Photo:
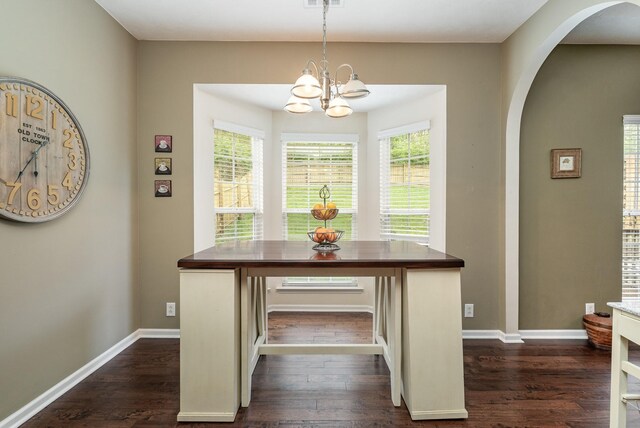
[(589, 308), (468, 310), (171, 309)]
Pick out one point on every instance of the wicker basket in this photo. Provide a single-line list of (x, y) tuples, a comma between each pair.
[(599, 330)]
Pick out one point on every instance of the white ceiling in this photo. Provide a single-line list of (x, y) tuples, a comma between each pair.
[(356, 20), (289, 20), (617, 25)]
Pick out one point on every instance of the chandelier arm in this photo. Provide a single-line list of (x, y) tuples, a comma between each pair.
[(312, 62), (336, 81)]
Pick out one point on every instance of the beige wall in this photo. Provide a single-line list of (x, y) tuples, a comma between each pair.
[(570, 229), (471, 72), (69, 287)]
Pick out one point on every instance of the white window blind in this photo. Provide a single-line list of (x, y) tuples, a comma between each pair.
[(237, 170), (405, 183), (631, 210), (308, 163)]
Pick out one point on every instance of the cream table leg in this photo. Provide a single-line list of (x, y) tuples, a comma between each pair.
[(376, 312), (265, 314), (619, 353), (432, 370), (395, 337), (381, 307), (209, 346), (246, 345)]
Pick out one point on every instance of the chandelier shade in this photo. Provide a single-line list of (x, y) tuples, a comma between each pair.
[(331, 92), (307, 86), (354, 88), (298, 105), (338, 107)]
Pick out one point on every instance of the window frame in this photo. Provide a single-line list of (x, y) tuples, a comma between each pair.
[(328, 283), (384, 142), (631, 240), (257, 143)]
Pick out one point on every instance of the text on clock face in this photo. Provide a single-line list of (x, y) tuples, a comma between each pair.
[(38, 136)]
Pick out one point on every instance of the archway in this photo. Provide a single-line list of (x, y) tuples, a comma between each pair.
[(524, 54)]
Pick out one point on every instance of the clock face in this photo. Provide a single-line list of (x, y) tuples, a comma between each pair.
[(44, 159)]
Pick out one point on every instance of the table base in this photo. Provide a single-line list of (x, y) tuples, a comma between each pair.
[(417, 327)]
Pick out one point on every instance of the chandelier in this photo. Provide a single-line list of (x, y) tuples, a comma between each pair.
[(332, 93)]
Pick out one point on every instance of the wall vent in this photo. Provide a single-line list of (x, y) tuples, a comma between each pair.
[(318, 3)]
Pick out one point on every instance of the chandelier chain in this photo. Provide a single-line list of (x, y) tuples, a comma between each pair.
[(325, 7)]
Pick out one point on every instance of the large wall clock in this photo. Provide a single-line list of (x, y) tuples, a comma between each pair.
[(44, 158)]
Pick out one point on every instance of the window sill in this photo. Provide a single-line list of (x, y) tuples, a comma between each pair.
[(318, 289)]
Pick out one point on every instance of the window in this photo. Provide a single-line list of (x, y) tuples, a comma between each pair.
[(405, 183), (308, 163), (631, 210), (237, 171)]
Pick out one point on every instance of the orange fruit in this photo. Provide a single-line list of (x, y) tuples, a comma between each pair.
[(320, 234)]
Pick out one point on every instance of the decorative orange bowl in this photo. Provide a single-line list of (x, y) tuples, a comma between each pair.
[(325, 213), (328, 237)]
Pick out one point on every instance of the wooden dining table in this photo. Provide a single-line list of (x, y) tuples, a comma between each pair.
[(417, 321)]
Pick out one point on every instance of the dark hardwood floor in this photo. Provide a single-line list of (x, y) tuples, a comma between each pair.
[(548, 383)]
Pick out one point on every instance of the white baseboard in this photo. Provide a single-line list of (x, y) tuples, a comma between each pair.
[(553, 334), (159, 333), (492, 334), (481, 334), (320, 308), (524, 334), (32, 408), (206, 417), (510, 337)]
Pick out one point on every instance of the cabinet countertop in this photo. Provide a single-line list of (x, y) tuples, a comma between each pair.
[(632, 308)]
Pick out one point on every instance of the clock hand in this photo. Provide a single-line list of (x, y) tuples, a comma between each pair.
[(33, 155), (35, 165), (25, 167)]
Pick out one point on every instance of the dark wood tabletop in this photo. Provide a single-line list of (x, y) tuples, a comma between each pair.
[(379, 254)]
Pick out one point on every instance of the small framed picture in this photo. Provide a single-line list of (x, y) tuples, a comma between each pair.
[(162, 188), (163, 166), (163, 144), (566, 163)]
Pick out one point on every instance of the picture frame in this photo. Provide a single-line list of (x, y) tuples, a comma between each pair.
[(162, 188), (566, 163), (163, 144), (163, 166)]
